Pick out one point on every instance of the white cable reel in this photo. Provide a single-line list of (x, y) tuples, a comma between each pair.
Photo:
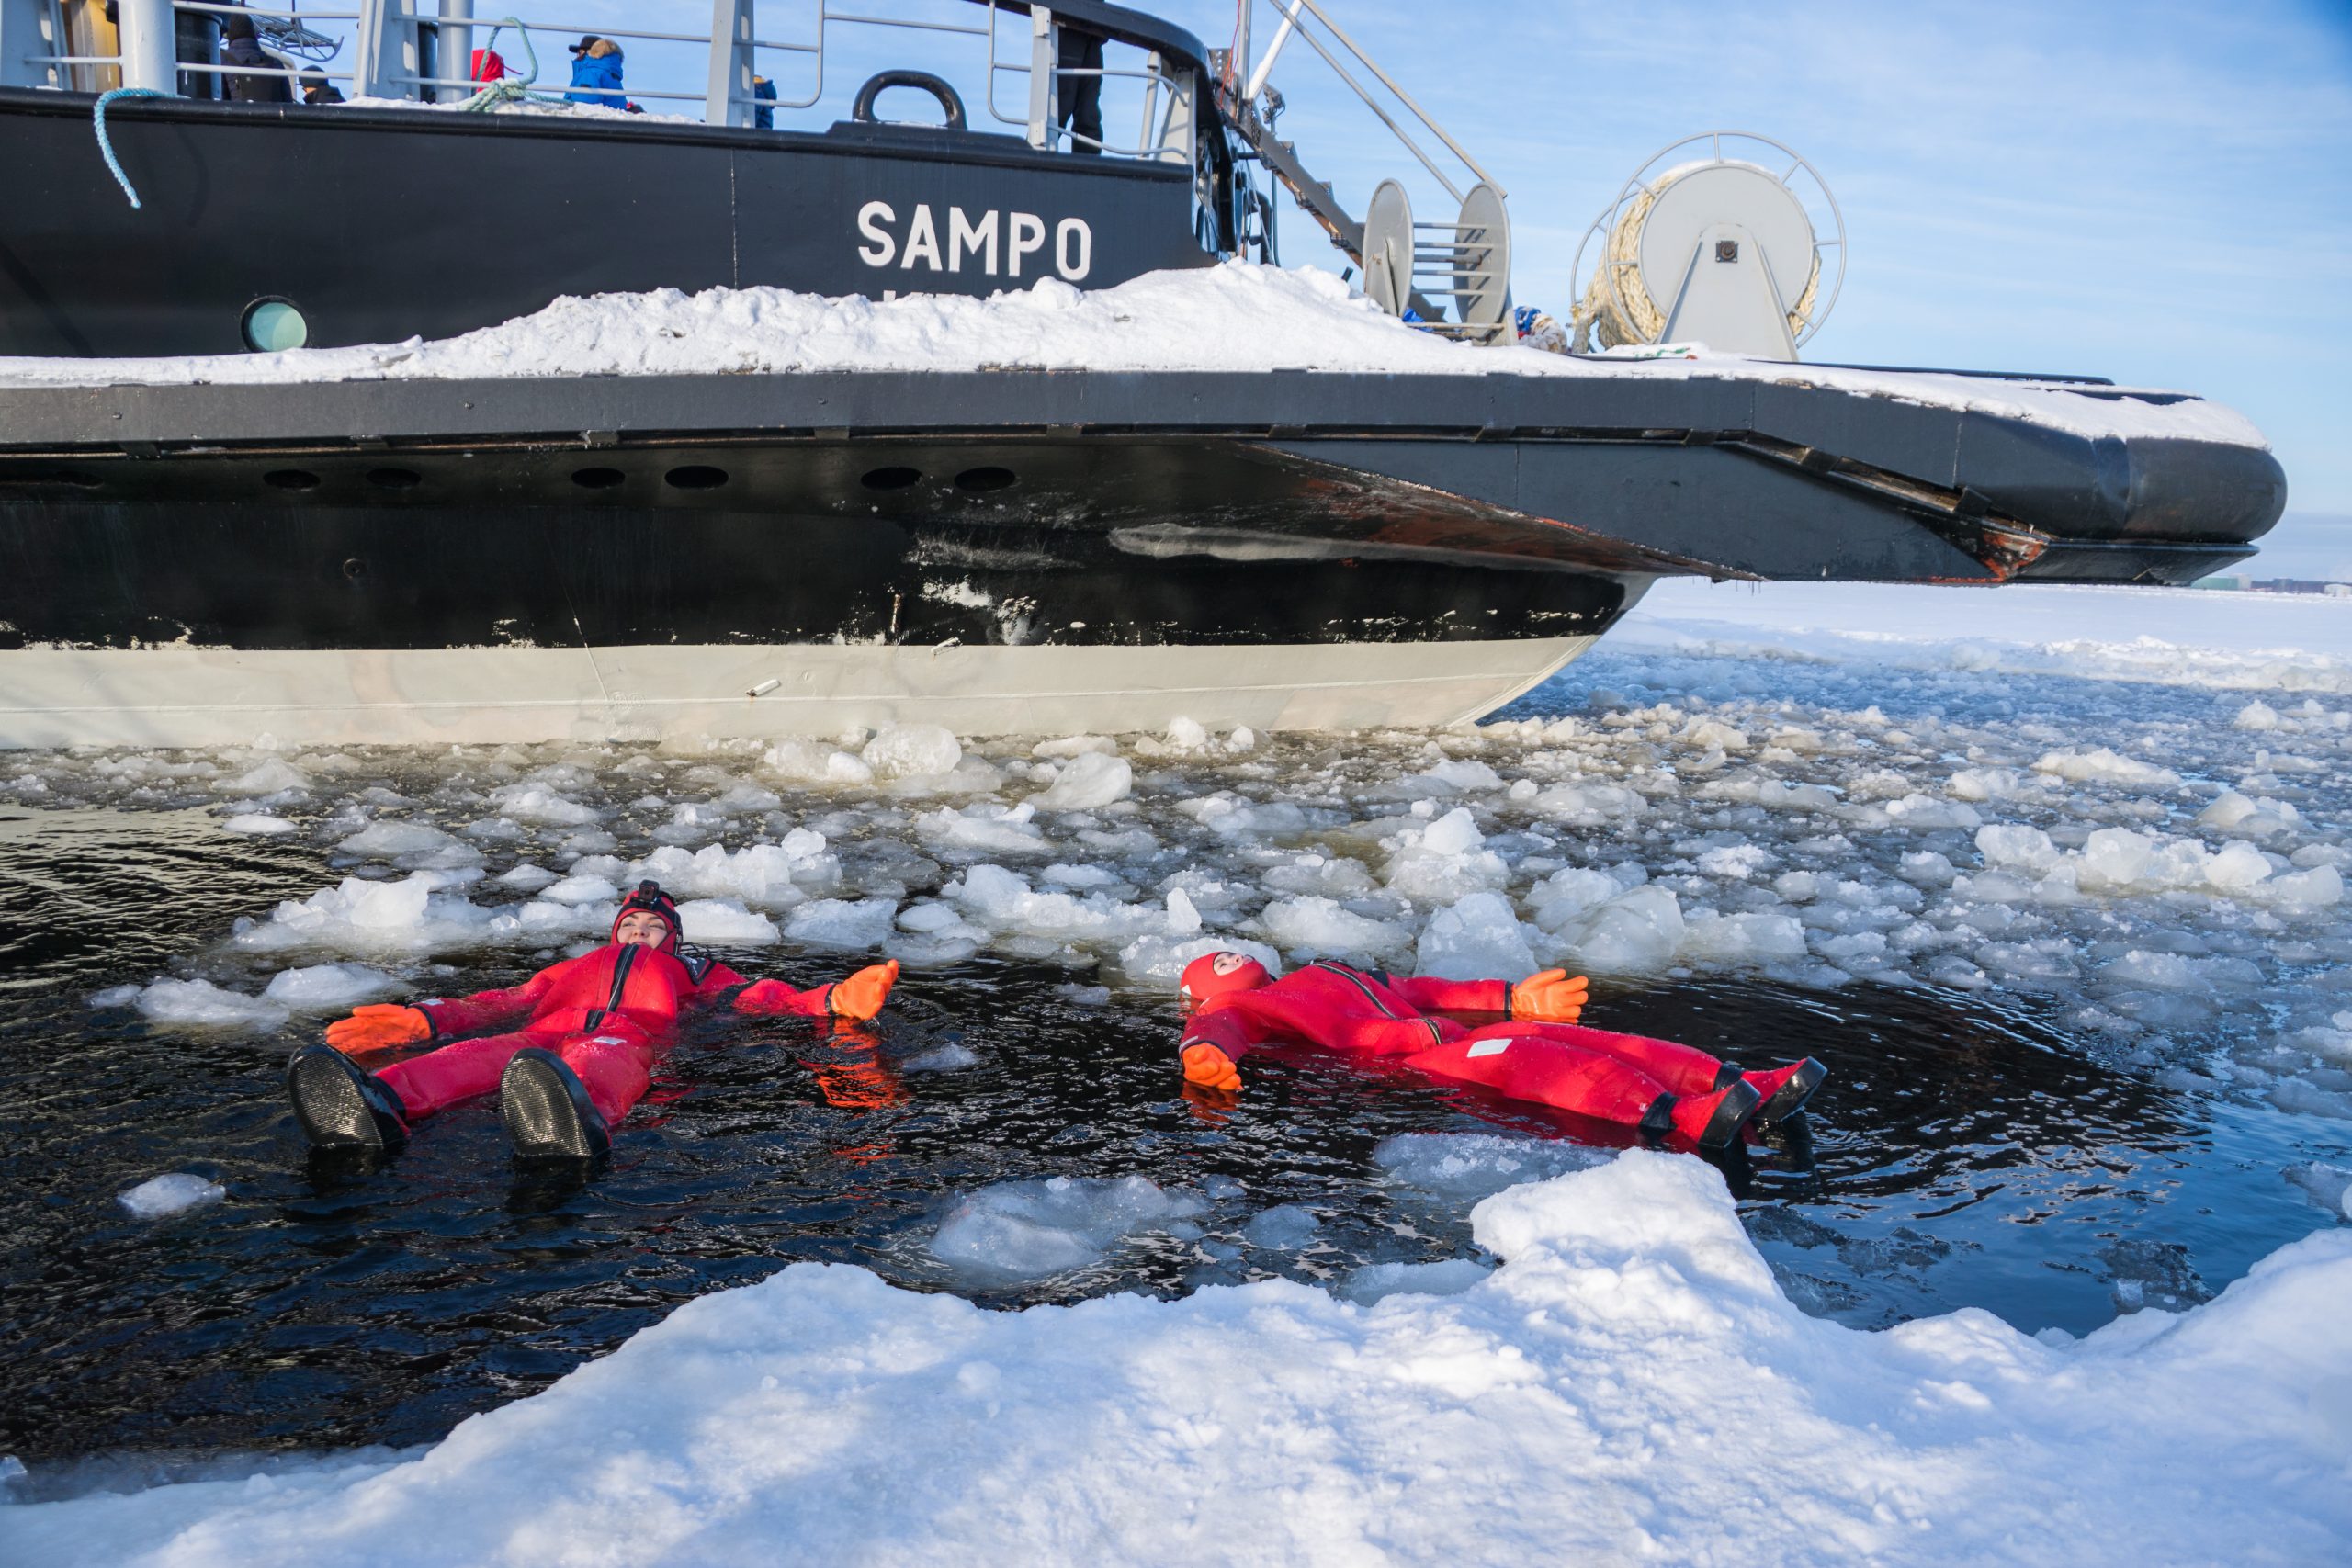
[(1713, 241)]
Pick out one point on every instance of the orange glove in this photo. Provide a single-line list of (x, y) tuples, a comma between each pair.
[(1552, 997), (1210, 1068), (862, 995), (375, 1027)]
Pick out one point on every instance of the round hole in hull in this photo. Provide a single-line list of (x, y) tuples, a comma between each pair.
[(354, 569), (695, 476), (598, 479), (982, 480), (890, 479), (394, 478), (290, 479), (273, 325)]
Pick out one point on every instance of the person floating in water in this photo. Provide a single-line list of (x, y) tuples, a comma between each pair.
[(1537, 1053), (585, 1056)]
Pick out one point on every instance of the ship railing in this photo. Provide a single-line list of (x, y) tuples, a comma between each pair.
[(399, 30), (147, 49), (423, 49)]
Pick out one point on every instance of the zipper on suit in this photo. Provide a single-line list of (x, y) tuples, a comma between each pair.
[(620, 982)]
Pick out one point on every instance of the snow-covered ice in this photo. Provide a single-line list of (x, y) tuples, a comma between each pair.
[(1630, 1383)]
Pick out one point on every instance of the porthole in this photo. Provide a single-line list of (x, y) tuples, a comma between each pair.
[(890, 479), (273, 325), (394, 478), (354, 569), (983, 480), (290, 479), (696, 476), (598, 479)]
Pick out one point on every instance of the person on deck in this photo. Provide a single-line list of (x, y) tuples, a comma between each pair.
[(1537, 1052), (596, 73), (763, 110), (241, 47), (585, 1056), (1078, 98)]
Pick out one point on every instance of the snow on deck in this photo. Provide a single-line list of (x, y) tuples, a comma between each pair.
[(1237, 317)]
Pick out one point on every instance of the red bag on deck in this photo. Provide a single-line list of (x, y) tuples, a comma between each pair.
[(488, 65)]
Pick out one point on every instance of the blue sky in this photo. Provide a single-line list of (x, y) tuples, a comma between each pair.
[(2159, 193)]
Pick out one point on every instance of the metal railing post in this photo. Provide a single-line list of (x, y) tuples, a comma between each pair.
[(726, 101), (456, 49), (150, 59), (1044, 58)]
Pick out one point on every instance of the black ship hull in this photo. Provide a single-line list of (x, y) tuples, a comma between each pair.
[(996, 551)]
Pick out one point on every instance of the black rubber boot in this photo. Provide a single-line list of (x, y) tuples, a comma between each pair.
[(340, 1104), (547, 1111), (1789, 1098), (1735, 1106)]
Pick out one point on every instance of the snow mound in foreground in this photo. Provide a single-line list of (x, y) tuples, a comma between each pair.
[(1629, 1384)]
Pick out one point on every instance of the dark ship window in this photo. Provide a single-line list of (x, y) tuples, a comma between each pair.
[(983, 478), (598, 479), (890, 479), (290, 479), (696, 476), (272, 324)]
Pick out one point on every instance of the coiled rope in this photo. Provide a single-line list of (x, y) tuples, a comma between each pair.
[(1640, 321), (510, 89), (105, 145)]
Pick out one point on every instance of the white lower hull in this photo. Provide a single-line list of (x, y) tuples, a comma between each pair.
[(186, 696)]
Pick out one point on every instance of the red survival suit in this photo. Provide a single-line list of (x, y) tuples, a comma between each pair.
[(1655, 1085), (607, 1014)]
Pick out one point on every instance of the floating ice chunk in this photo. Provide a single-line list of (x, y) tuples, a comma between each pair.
[(1076, 746), (328, 987), (1156, 958), (271, 776), (983, 828), (993, 896), (412, 915), (1635, 932), (1588, 805), (390, 840), (840, 922), (1993, 783), (2329, 1186), (2233, 813), (1018, 1231), (2256, 715), (2098, 764), (539, 805), (1377, 1282), (2304, 890), (772, 876), (1701, 733), (1183, 917), (1087, 780), (1570, 893), (949, 1058), (1284, 1228), (1446, 861), (194, 1004), (1457, 776), (1771, 793), (1308, 872), (1754, 939), (1185, 735), (1470, 1166), (1738, 862), (813, 761), (726, 921), (907, 751), (2008, 844), (1084, 996), (580, 890), (170, 1194), (257, 825), (1478, 938), (1923, 812), (1315, 927)]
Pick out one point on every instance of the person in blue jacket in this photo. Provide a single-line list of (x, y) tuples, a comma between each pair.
[(763, 116), (597, 73)]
